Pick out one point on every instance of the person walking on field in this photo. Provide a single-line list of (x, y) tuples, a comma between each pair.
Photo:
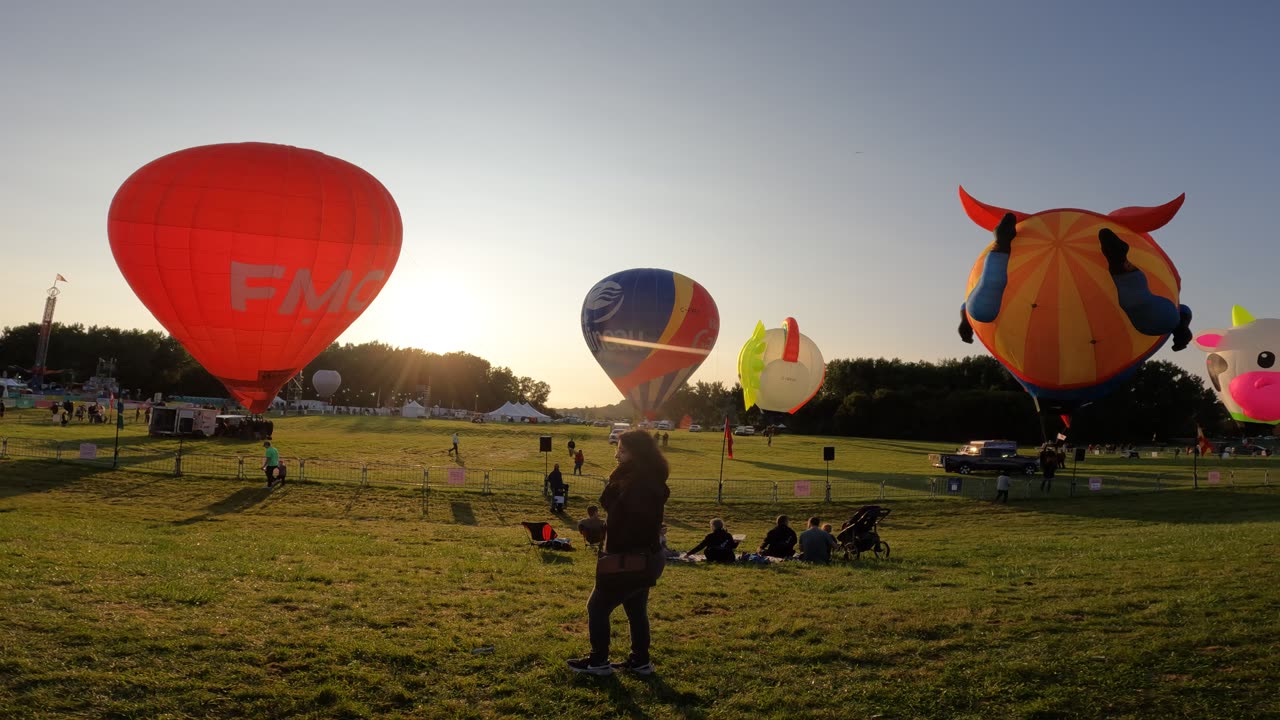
[(577, 462), (1049, 466), (572, 445), (454, 450), (1002, 488), (634, 499), (270, 461)]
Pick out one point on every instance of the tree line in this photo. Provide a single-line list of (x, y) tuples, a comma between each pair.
[(149, 362), (968, 398), (954, 400)]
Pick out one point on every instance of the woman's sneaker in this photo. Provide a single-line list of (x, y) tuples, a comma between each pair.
[(644, 668), (590, 667)]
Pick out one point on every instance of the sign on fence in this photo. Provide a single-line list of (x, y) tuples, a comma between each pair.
[(456, 476), (953, 486), (802, 488), (1095, 483), (1214, 477), (88, 451)]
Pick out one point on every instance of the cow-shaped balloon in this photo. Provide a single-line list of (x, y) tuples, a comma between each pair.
[(1242, 366), (1073, 301)]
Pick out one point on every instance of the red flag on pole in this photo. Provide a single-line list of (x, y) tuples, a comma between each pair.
[(1206, 447), (728, 438)]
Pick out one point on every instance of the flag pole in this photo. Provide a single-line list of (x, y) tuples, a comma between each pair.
[(115, 453), (724, 438)]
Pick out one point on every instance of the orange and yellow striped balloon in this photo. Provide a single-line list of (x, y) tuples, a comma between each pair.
[(1060, 326)]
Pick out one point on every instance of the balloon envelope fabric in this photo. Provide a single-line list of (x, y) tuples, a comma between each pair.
[(254, 256), (1062, 328), (649, 329)]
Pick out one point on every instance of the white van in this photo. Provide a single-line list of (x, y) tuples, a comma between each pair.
[(618, 429), (664, 425)]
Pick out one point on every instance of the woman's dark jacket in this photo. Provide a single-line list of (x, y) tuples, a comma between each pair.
[(634, 505)]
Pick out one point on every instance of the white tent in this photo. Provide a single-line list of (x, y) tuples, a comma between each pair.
[(533, 412), (519, 412), (412, 409)]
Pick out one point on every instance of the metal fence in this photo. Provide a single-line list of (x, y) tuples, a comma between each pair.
[(173, 461)]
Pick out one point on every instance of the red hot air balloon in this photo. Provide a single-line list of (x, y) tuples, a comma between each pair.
[(254, 256)]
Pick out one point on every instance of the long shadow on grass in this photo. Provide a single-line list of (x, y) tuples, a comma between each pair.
[(21, 477), (793, 471), (1175, 506), (897, 447), (554, 557), (238, 501), (462, 513), (623, 697), (136, 487), (354, 497)]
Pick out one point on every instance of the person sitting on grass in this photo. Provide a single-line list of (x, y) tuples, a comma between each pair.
[(718, 543), (662, 542), (780, 542), (592, 526), (816, 544)]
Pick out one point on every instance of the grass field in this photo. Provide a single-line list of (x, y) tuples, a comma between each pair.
[(411, 442), (134, 595)]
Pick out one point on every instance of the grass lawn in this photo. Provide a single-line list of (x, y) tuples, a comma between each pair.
[(694, 457), (136, 595)]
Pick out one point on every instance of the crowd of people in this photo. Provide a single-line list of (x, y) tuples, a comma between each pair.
[(67, 410), (816, 543), (247, 428)]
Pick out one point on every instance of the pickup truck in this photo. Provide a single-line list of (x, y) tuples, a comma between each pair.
[(977, 459)]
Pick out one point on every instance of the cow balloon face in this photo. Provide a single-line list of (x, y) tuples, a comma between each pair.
[(1242, 366)]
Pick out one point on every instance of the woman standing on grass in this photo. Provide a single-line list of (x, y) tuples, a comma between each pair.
[(634, 499)]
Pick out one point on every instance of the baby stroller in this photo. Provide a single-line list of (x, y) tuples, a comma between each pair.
[(559, 497), (859, 534)]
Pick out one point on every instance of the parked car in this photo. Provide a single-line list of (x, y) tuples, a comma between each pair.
[(664, 424), (613, 437), (986, 455), (695, 428), (744, 430)]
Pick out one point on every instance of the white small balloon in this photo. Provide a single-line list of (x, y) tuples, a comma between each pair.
[(326, 382)]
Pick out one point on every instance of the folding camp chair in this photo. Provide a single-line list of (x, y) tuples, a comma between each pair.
[(544, 536)]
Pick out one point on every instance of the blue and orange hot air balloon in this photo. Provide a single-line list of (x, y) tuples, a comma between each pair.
[(1063, 308), (649, 329)]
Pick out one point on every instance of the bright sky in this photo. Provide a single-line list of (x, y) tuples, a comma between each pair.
[(795, 158)]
